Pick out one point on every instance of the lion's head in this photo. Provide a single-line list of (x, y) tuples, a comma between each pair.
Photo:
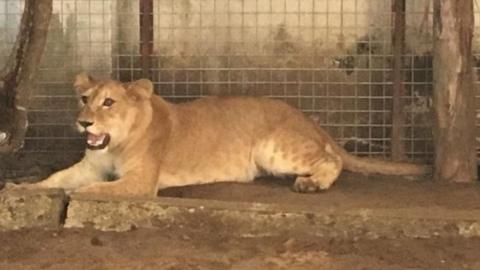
[(110, 110)]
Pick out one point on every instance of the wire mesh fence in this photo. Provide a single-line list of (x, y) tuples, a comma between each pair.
[(332, 59)]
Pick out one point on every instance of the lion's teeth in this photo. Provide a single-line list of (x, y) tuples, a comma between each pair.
[(96, 142)]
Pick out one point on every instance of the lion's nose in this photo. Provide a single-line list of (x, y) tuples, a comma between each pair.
[(85, 124)]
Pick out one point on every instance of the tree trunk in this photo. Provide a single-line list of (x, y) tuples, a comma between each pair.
[(17, 77), (454, 94)]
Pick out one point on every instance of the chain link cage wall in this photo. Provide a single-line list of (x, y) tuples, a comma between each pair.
[(332, 59)]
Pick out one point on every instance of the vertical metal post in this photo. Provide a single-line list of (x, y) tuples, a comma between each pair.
[(146, 36), (398, 116)]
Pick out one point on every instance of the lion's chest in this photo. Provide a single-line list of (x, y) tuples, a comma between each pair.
[(107, 164)]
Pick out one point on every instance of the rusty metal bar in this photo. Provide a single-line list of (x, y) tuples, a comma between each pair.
[(146, 36), (398, 116)]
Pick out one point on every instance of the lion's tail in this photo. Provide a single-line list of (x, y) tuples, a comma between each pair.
[(375, 166)]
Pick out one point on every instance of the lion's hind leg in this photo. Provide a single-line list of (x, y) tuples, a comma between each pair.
[(315, 163), (323, 172)]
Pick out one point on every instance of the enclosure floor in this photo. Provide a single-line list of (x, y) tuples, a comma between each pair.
[(154, 249)]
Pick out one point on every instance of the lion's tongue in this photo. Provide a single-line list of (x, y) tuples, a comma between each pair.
[(95, 140)]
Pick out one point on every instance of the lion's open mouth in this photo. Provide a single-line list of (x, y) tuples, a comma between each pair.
[(96, 142)]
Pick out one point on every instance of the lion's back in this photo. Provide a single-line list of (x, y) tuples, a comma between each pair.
[(250, 112), (213, 138)]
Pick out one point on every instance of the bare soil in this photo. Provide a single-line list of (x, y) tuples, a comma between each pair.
[(153, 249)]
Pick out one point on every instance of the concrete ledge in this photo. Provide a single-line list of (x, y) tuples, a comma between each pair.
[(21, 209), (46, 209), (254, 219)]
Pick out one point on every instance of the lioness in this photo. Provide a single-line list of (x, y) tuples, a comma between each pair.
[(152, 144)]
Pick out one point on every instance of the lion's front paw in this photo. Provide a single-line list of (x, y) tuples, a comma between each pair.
[(8, 186), (23, 186), (117, 189), (97, 189), (86, 190)]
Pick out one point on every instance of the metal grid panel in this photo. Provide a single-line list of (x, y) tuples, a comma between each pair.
[(418, 78), (330, 58), (79, 38), (10, 15)]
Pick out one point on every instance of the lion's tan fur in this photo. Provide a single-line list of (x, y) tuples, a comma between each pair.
[(156, 144)]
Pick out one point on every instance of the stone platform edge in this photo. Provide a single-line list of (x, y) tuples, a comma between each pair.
[(53, 209)]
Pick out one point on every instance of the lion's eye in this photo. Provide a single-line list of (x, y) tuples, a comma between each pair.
[(84, 99), (108, 102)]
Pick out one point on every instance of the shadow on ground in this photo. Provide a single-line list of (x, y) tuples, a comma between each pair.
[(350, 191)]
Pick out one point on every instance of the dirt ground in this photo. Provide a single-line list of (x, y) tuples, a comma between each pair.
[(153, 249), (185, 249)]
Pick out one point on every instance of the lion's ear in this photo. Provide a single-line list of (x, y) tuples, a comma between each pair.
[(83, 82), (140, 89)]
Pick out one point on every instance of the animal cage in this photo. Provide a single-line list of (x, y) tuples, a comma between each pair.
[(333, 59)]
